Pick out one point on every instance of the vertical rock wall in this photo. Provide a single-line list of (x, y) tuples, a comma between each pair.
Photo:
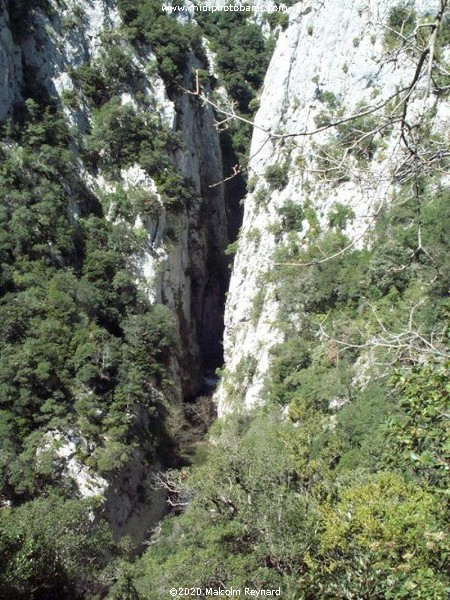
[(330, 50), (11, 76), (181, 262)]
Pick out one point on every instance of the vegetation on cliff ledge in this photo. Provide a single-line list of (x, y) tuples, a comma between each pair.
[(337, 487)]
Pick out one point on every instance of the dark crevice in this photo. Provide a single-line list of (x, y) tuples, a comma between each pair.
[(213, 289), (235, 188)]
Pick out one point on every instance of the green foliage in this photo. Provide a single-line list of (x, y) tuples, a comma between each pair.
[(306, 375), (91, 82), (306, 380), (339, 216), (241, 135), (232, 248), (257, 305), (323, 503), (419, 438), (359, 135), (110, 75), (292, 216), (398, 231), (331, 165), (267, 510), (277, 18), (277, 176), (252, 183), (69, 98), (177, 191), (323, 286), (242, 56), (171, 42), (401, 23), (52, 548), (231, 534), (366, 469), (330, 99), (81, 349), (76, 333), (361, 429), (388, 535), (122, 137), (126, 205), (261, 197), (357, 138)]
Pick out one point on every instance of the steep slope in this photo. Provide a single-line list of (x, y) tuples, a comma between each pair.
[(10, 62), (325, 476), (333, 61), (78, 60)]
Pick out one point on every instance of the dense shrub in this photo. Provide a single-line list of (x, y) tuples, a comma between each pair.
[(51, 548), (242, 55), (170, 40), (68, 298), (277, 176), (401, 23), (292, 215)]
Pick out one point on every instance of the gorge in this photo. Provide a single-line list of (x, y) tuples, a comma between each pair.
[(312, 286)]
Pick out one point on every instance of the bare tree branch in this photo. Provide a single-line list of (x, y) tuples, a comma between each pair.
[(408, 344)]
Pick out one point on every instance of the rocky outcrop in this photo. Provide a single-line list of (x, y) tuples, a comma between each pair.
[(195, 274), (11, 75), (181, 262), (186, 272), (331, 52)]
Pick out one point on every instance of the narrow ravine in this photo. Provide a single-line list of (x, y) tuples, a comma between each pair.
[(208, 290)]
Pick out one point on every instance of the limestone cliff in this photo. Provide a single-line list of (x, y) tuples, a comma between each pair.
[(331, 56), (181, 259), (10, 65)]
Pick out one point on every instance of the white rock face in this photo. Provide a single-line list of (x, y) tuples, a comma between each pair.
[(133, 504), (201, 231), (333, 47), (10, 65), (175, 272), (65, 448), (173, 263)]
